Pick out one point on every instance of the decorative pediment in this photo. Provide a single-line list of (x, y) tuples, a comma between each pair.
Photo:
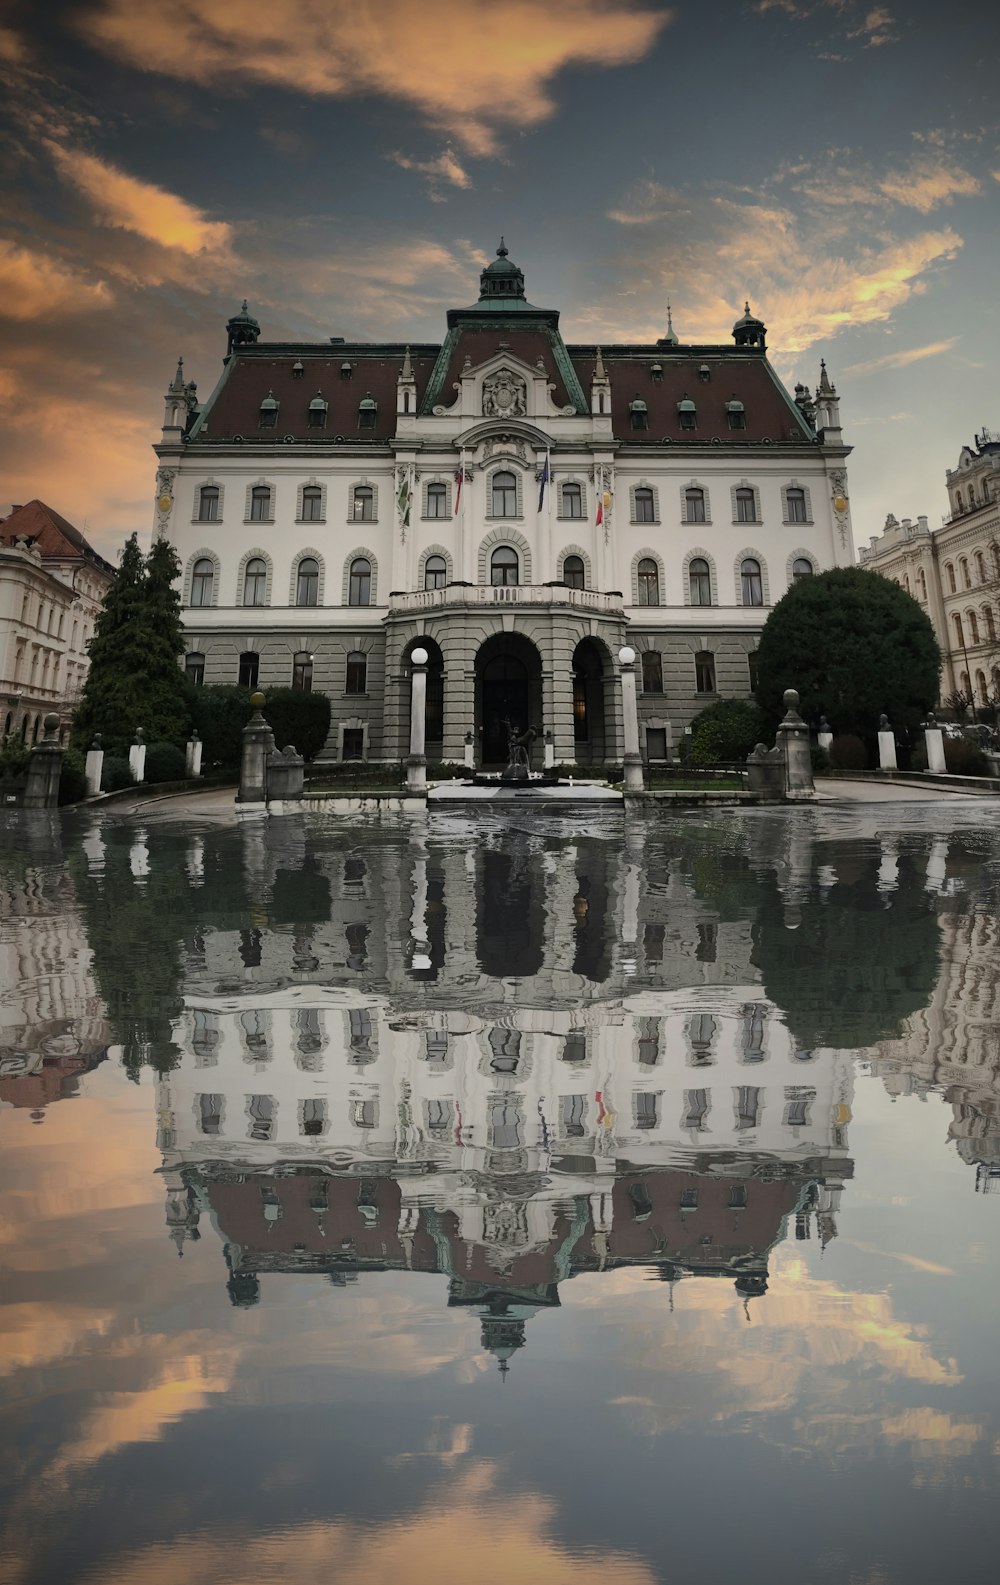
[(505, 395)]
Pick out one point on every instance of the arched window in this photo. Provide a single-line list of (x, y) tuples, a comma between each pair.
[(736, 416), (746, 506), (966, 580), (980, 567), (255, 581), (302, 671), (504, 565), (981, 688), (700, 581), (360, 585), (973, 627), (357, 672), (704, 671), (367, 412), (644, 505), (687, 413), (795, 506), (208, 503), (648, 579), (573, 571), (364, 503), (260, 503), (572, 500), (638, 414), (435, 571), (203, 581), (312, 504), (307, 582), (751, 583), (318, 409), (801, 568), (958, 501), (249, 673), (957, 623), (504, 495), (194, 669), (694, 506), (921, 584), (990, 623), (949, 569), (437, 500)]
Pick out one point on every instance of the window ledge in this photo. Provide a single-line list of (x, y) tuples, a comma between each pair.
[(307, 520), (262, 520), (203, 522), (645, 522), (798, 522), (425, 519), (355, 696), (353, 522)]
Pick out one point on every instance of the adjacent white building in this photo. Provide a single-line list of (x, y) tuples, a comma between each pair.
[(517, 505)]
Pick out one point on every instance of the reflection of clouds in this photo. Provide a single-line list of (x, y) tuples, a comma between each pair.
[(813, 1349), (455, 1539)]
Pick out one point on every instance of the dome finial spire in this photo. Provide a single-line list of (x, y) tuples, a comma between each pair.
[(502, 250)]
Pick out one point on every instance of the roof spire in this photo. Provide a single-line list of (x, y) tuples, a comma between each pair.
[(178, 380), (406, 373), (502, 249), (824, 378), (671, 336), (600, 372)]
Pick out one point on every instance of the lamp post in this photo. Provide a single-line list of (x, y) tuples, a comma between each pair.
[(630, 721), (416, 764)]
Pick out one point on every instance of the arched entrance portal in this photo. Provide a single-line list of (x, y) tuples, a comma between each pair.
[(508, 689), (589, 726)]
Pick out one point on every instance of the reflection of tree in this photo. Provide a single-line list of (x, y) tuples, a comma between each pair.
[(852, 970)]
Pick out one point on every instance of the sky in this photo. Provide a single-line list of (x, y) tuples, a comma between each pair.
[(349, 168)]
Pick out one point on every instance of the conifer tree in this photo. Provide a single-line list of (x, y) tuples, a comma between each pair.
[(134, 679)]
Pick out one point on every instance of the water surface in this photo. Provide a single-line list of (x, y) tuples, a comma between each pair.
[(497, 1200)]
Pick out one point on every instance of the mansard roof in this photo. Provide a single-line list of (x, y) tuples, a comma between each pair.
[(57, 538)]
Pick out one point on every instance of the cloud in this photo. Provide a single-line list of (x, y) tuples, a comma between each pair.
[(927, 182), (129, 204), (807, 276), (445, 168), (469, 66), (902, 360), (873, 26), (35, 286)]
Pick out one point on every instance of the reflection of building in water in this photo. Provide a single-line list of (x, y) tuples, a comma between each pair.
[(52, 1024), (952, 1046), (330, 1131)]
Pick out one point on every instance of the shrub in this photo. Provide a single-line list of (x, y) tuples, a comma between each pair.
[(73, 779), (219, 713), (165, 762), (820, 759), (117, 773), (847, 752), (727, 730), (964, 757), (298, 718), (14, 755), (446, 770)]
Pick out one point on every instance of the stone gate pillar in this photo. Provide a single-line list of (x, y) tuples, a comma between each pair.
[(793, 740), (44, 769), (258, 745), (630, 721)]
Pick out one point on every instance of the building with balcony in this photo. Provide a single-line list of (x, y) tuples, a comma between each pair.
[(517, 505), (954, 571)]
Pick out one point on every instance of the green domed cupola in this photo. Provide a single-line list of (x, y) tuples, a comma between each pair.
[(501, 280)]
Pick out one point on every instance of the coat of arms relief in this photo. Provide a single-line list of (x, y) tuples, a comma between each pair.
[(504, 395)]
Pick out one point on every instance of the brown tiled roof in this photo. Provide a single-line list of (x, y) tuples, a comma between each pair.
[(748, 379), (55, 536), (252, 373), (482, 344)]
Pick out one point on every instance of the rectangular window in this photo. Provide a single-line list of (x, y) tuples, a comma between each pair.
[(208, 504), (652, 671), (194, 670), (746, 506), (695, 1109), (656, 743), (260, 504), (354, 742), (795, 506), (572, 1115), (357, 672), (645, 1109), (704, 672), (210, 1113), (747, 1106), (249, 670), (752, 670)]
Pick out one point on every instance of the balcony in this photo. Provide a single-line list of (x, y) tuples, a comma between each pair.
[(533, 594)]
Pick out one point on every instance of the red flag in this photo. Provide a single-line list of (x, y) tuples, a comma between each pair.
[(459, 476), (600, 510)]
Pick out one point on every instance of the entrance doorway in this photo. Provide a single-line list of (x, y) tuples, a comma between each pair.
[(508, 690), (589, 726)]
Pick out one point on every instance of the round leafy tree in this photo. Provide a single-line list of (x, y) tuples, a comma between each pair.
[(854, 644), (729, 729)]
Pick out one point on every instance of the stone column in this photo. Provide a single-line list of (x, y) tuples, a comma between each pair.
[(41, 789), (192, 755), (416, 763), (934, 739), (630, 721), (886, 744), (137, 757), (258, 744), (94, 769), (793, 739)]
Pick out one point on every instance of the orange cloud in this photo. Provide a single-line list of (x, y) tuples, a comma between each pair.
[(467, 65), (125, 202), (34, 286), (445, 168)]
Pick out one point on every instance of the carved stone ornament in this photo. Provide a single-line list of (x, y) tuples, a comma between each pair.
[(165, 490), (504, 395), (495, 445)]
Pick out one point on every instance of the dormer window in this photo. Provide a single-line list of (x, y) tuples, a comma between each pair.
[(269, 411), (346, 370), (298, 369), (656, 373), (318, 409), (704, 373), (367, 412), (736, 415), (687, 413), (638, 414)]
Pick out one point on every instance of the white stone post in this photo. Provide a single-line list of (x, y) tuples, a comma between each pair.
[(416, 764), (886, 744), (824, 737), (630, 721), (94, 769), (137, 757), (470, 751), (192, 755), (934, 739), (550, 749)]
